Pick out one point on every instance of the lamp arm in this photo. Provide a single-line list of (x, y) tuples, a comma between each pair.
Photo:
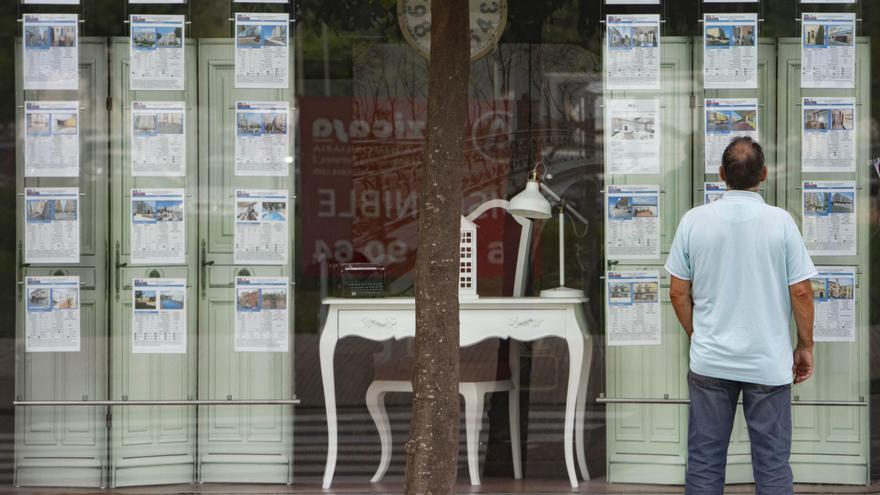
[(488, 205), (568, 207)]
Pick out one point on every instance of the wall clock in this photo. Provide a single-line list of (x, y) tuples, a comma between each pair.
[(488, 19)]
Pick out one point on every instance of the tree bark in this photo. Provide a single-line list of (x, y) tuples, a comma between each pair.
[(432, 450)]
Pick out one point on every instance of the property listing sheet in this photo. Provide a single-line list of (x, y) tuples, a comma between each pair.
[(628, 2), (713, 191), (828, 135), (829, 218), (725, 119), (261, 315), (158, 139), (261, 227), (632, 58), (632, 223), (633, 144), (262, 138), (51, 51), (156, 1), (834, 300), (730, 51), (158, 226), (53, 322), (632, 308), (158, 316), (51, 225), (260, 1), (262, 56), (828, 1), (50, 2), (51, 139), (157, 54), (828, 50)]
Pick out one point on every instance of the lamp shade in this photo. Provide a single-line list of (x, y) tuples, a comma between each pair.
[(530, 203)]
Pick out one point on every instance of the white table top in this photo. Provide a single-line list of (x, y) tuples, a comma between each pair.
[(479, 301)]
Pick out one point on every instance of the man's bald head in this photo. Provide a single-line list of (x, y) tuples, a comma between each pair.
[(743, 164)]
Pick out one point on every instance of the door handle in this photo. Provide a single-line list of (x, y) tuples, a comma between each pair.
[(118, 269), (203, 282)]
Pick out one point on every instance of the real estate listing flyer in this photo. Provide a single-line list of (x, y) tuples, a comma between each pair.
[(158, 226), (632, 308), (834, 300), (632, 223), (262, 57), (53, 322), (158, 139), (633, 144), (261, 227), (713, 191), (51, 51), (829, 218), (730, 51), (157, 53), (262, 138), (51, 225), (158, 316), (727, 118), (261, 315), (828, 50), (51, 139), (828, 135), (632, 59)]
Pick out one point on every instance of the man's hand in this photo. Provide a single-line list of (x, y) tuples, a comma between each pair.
[(803, 364)]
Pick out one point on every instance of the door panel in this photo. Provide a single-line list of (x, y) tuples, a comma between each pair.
[(236, 443), (830, 444), (648, 443), (66, 446), (150, 444)]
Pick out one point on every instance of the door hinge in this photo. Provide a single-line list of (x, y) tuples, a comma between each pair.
[(109, 103)]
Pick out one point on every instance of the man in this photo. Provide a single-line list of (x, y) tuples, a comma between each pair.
[(738, 269)]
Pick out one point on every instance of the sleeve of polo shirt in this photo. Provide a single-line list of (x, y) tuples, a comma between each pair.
[(678, 264), (797, 260)]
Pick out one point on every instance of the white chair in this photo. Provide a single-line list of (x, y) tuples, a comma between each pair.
[(472, 387)]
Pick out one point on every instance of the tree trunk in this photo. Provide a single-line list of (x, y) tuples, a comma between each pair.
[(432, 450)]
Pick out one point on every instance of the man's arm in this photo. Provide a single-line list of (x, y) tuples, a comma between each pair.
[(680, 295), (802, 306)]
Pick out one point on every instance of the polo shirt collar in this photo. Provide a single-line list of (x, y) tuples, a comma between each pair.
[(743, 195)]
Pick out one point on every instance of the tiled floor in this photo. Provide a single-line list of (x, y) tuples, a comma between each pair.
[(490, 486)]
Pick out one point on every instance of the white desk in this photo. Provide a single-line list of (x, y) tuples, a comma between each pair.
[(521, 318)]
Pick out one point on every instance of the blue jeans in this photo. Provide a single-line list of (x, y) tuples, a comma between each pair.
[(768, 415)]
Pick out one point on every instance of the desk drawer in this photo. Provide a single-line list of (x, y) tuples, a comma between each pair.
[(523, 324), (376, 324)]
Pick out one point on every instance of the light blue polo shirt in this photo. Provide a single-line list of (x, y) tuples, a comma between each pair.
[(740, 255)]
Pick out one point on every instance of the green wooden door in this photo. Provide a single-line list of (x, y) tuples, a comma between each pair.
[(830, 444), (66, 446), (647, 443), (150, 444), (236, 443)]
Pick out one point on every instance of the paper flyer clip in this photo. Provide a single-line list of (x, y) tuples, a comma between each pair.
[(877, 166)]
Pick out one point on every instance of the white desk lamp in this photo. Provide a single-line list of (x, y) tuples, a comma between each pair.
[(530, 203)]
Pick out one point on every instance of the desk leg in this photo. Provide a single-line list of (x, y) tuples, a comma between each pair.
[(575, 340), (581, 402), (329, 337)]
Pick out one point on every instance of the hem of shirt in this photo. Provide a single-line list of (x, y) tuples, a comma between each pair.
[(798, 280), (675, 274), (739, 378)]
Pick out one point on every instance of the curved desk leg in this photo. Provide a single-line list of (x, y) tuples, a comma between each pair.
[(329, 336), (513, 406), (581, 402), (575, 341)]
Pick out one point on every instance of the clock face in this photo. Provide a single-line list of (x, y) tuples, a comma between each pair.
[(488, 18)]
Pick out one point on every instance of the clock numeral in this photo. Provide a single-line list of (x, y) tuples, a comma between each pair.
[(485, 25), (421, 30), (416, 10), (476, 39), (489, 7)]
